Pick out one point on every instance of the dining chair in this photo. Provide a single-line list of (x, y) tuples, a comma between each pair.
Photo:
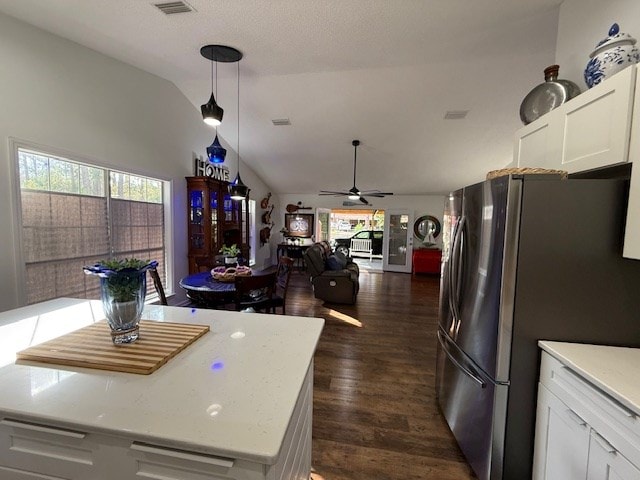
[(254, 291), (283, 273), (157, 283)]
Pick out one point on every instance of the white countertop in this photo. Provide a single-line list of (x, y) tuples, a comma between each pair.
[(614, 370), (230, 393)]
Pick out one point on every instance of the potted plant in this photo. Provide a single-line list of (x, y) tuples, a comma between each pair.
[(123, 286), (230, 254)]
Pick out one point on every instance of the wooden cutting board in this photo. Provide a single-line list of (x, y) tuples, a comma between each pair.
[(91, 347)]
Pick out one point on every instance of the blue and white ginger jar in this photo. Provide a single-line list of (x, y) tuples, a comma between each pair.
[(614, 53)]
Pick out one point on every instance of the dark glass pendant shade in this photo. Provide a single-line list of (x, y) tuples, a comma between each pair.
[(238, 190), (212, 112), (216, 152)]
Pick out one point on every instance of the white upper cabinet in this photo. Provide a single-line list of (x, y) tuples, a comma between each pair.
[(597, 124), (538, 144), (590, 131), (593, 130)]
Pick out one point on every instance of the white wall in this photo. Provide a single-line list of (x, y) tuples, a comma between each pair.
[(418, 204), (583, 23), (58, 94)]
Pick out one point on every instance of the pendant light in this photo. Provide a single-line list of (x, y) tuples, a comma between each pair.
[(212, 112), (237, 189), (216, 152)]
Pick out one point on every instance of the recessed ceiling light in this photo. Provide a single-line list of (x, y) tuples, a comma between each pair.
[(455, 114), (280, 122)]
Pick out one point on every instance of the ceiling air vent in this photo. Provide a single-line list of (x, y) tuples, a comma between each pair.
[(169, 8), (281, 122), (455, 114)]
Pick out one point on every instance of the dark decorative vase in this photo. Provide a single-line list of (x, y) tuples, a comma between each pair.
[(547, 96)]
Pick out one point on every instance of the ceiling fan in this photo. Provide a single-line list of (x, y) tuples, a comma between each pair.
[(354, 193)]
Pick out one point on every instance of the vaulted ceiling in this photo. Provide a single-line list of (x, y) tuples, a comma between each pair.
[(381, 71)]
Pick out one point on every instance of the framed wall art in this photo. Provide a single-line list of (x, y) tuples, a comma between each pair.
[(299, 224)]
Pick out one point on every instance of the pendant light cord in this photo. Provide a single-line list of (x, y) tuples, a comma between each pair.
[(238, 138), (355, 155), (215, 126)]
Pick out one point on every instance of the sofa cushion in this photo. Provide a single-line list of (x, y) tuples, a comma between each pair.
[(336, 261)]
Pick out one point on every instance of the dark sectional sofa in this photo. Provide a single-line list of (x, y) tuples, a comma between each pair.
[(334, 277)]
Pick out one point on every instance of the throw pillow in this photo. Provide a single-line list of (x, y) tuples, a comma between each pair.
[(342, 257), (334, 262)]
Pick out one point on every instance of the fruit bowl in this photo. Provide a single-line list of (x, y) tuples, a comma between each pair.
[(228, 274)]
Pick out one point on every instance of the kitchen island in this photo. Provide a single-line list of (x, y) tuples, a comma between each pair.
[(236, 404)]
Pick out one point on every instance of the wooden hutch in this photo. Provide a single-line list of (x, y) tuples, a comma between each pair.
[(214, 219)]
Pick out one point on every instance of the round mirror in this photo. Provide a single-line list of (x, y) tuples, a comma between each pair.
[(427, 228)]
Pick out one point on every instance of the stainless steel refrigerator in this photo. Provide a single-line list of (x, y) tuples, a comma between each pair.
[(525, 258)]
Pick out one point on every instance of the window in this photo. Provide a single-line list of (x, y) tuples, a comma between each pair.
[(75, 214)]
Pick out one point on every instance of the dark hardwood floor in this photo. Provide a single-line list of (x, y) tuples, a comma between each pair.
[(375, 414)]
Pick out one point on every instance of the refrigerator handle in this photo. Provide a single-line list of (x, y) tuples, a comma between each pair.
[(460, 267), (461, 367), (451, 282), (454, 273)]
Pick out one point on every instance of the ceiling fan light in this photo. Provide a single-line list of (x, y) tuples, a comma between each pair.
[(212, 112), (354, 197), (237, 189), (216, 152)]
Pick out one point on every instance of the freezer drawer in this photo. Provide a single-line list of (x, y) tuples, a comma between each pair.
[(468, 401)]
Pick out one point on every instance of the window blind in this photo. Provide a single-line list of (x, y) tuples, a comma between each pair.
[(72, 217)]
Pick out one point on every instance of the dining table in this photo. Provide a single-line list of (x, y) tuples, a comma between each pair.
[(206, 291)]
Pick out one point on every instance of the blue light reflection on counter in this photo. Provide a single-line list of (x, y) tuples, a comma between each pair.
[(217, 365)]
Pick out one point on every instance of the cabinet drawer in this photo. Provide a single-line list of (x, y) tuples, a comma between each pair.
[(604, 413), (160, 462), (7, 473), (30, 448)]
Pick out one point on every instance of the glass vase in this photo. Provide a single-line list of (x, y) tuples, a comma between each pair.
[(123, 287), (123, 294)]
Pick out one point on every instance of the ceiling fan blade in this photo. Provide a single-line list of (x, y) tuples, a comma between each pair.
[(327, 192), (375, 192), (364, 200)]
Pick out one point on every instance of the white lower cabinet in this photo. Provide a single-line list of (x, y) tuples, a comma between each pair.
[(581, 432), (39, 450), (562, 440), (606, 463)]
